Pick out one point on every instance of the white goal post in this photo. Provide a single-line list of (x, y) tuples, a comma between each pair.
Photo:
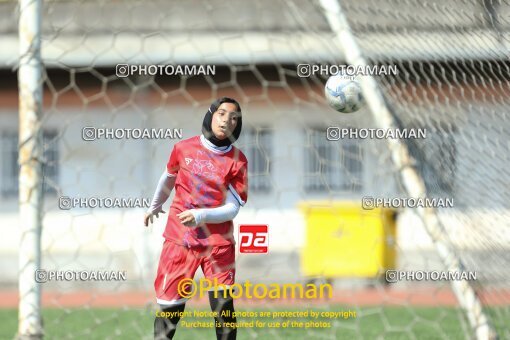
[(30, 79)]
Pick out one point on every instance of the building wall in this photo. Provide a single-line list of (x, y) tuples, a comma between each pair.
[(116, 238)]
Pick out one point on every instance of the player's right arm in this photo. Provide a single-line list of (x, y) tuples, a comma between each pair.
[(165, 186)]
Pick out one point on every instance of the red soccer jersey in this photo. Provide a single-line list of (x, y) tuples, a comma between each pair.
[(203, 177)]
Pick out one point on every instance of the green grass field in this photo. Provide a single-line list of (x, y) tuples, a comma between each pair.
[(370, 323)]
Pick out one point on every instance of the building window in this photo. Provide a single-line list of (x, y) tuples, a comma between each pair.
[(10, 167), (256, 145), (436, 161), (332, 165)]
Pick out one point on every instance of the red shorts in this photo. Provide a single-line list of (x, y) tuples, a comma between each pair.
[(178, 262)]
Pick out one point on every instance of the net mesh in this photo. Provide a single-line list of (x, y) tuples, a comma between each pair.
[(453, 81)]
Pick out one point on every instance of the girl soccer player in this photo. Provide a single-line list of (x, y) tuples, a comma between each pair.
[(209, 176)]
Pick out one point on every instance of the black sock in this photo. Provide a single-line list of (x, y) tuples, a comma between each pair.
[(164, 328), (224, 324)]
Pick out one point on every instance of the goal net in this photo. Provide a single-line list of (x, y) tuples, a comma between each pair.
[(122, 82)]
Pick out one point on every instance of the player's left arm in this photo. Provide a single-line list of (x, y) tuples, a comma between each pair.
[(237, 195), (227, 212), (239, 183)]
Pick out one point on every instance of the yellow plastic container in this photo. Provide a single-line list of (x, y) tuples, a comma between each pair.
[(343, 240)]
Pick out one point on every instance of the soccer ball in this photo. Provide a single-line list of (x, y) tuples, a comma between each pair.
[(343, 93)]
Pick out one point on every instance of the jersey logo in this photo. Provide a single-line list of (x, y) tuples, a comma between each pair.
[(206, 169), (188, 160)]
